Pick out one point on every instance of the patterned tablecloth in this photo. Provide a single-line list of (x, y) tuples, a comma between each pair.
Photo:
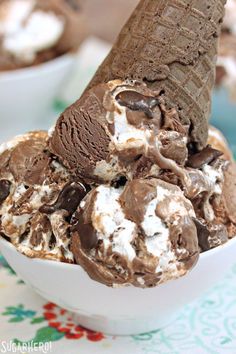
[(26, 320), (30, 324)]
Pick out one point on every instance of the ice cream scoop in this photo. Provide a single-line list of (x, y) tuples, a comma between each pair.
[(120, 129), (142, 234), (37, 198), (32, 31)]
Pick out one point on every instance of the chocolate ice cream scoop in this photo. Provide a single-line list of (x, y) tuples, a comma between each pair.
[(142, 234), (37, 198), (120, 129)]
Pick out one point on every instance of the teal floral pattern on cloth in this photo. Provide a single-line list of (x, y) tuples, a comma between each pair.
[(206, 326), (18, 313), (3, 263)]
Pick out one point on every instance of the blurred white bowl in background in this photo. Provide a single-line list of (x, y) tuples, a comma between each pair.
[(120, 311), (26, 95)]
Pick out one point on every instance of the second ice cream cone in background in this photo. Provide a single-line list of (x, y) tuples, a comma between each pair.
[(171, 45), (33, 32)]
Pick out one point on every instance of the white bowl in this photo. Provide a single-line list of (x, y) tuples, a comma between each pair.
[(26, 95), (120, 311)]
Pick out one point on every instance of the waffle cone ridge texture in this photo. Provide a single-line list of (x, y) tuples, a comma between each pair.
[(171, 45)]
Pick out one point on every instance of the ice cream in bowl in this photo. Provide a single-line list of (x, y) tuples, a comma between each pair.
[(38, 45), (125, 210)]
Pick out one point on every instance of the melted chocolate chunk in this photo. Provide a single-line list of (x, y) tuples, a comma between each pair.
[(52, 242), (5, 187), (137, 102), (87, 234), (192, 148), (23, 237), (203, 235), (69, 199), (120, 182), (206, 156)]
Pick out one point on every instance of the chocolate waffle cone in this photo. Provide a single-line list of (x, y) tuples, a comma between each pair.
[(171, 45)]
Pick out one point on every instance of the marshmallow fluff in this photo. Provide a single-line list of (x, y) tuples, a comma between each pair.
[(126, 136), (128, 140), (13, 14), (109, 221), (157, 233)]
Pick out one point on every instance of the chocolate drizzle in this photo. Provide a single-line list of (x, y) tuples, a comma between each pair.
[(68, 199), (5, 187), (206, 156), (137, 102)]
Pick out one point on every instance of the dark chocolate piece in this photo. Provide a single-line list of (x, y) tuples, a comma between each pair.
[(5, 187), (69, 199), (137, 102), (206, 156)]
